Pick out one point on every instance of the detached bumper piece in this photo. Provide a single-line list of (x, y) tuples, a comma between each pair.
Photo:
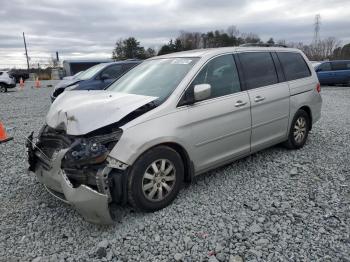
[(91, 204)]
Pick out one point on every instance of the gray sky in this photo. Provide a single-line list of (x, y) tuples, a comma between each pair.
[(84, 28)]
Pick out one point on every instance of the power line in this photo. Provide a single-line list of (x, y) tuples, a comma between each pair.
[(317, 26)]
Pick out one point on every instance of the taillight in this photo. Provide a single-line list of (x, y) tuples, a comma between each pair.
[(318, 87)]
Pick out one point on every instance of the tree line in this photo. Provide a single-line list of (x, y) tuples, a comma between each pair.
[(328, 48)]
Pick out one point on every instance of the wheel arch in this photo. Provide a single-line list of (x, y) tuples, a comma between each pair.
[(188, 164), (308, 111), (3, 84)]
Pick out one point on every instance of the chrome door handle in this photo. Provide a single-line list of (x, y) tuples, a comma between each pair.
[(259, 99), (240, 103)]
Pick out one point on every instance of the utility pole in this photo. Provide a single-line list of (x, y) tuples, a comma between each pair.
[(25, 47)]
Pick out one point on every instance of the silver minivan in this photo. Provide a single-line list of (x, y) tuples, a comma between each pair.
[(170, 119)]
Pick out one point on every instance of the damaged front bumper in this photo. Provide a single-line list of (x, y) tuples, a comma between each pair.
[(91, 204)]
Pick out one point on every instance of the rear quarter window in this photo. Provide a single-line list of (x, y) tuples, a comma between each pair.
[(294, 65)]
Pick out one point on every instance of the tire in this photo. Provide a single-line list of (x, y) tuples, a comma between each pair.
[(299, 130), (3, 88), (146, 189)]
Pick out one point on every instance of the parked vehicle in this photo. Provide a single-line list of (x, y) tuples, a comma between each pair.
[(97, 77), (169, 119), (73, 76), (6, 81), (18, 74), (73, 66), (333, 72)]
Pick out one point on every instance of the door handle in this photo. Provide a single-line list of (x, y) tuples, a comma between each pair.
[(259, 99), (240, 103)]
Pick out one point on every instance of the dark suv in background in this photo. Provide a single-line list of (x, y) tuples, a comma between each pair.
[(97, 77)]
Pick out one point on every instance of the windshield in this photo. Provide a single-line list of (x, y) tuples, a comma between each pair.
[(87, 74), (157, 77), (315, 63)]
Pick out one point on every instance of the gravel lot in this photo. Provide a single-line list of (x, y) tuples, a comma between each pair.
[(276, 205)]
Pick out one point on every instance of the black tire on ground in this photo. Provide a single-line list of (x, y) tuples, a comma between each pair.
[(3, 88), (297, 126), (136, 180)]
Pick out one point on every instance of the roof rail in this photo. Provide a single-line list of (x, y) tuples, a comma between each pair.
[(262, 45)]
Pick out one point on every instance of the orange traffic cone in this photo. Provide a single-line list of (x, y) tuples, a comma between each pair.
[(37, 83), (21, 83), (3, 136)]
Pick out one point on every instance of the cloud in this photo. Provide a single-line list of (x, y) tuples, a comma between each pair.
[(87, 28)]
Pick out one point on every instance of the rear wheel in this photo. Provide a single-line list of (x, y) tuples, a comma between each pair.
[(155, 179), (3, 88), (299, 130)]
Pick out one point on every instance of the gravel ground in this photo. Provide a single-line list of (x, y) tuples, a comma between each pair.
[(276, 205)]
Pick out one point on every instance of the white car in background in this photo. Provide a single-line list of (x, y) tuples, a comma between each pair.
[(6, 81)]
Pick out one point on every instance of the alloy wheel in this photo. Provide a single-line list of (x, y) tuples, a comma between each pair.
[(158, 180), (299, 131)]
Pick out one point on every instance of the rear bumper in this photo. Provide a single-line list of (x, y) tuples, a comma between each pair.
[(92, 205)]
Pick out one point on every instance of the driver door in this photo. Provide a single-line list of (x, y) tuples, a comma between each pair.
[(220, 126)]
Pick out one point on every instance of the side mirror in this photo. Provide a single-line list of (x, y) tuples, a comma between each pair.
[(104, 77), (201, 92)]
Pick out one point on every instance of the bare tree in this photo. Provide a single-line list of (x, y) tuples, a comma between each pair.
[(329, 45), (281, 42)]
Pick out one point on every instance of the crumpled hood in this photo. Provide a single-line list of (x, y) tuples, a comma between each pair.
[(80, 112)]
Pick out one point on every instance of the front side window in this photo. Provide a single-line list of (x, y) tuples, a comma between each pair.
[(221, 73), (294, 65), (156, 77), (258, 69)]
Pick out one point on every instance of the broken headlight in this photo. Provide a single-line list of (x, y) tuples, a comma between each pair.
[(92, 150), (86, 152)]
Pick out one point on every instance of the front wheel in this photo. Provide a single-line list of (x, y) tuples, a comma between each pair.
[(299, 130), (3, 88), (155, 179)]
